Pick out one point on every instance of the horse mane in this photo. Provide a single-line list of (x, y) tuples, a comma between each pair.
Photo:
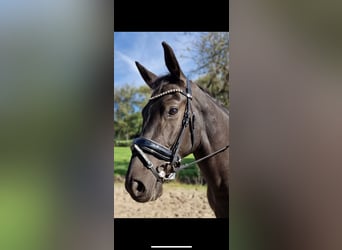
[(217, 102)]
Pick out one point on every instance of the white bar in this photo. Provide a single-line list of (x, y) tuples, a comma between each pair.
[(171, 246)]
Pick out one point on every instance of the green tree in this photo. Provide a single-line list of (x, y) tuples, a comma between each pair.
[(128, 103), (211, 54)]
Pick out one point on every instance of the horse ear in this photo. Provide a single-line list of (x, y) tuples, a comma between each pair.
[(171, 62), (147, 75)]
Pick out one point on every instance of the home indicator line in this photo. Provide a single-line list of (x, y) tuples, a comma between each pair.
[(165, 247)]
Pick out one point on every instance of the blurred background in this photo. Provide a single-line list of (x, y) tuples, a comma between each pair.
[(56, 156), (286, 137)]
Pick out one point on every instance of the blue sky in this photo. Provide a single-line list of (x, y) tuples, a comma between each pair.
[(146, 48)]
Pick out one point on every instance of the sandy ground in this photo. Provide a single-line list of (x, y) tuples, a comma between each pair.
[(177, 201)]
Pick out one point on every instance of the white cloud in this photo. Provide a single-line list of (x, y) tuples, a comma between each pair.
[(126, 59)]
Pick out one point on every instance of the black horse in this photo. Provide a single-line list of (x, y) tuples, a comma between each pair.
[(179, 119)]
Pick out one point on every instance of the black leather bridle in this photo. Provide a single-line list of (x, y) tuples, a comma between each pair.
[(171, 156), (172, 159)]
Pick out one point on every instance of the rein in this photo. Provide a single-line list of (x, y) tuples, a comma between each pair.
[(171, 157), (201, 159)]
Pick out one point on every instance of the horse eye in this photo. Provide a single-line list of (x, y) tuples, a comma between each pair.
[(173, 111)]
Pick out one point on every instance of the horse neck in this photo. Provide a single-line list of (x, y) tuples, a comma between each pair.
[(214, 120)]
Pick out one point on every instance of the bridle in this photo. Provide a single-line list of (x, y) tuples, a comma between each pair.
[(171, 156)]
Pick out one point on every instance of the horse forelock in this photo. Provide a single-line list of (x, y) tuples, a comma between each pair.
[(163, 82)]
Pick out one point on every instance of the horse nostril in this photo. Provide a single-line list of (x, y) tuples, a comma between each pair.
[(138, 187)]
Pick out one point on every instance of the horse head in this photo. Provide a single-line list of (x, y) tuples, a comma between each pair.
[(167, 132)]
